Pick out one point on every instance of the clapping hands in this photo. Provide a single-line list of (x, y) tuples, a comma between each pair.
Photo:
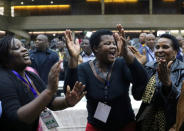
[(122, 45)]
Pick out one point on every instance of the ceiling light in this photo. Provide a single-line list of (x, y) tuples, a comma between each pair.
[(22, 3), (169, 0), (36, 7), (51, 2), (114, 1)]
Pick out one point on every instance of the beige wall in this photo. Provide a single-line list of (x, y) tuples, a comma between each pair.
[(98, 21), (3, 22), (93, 22)]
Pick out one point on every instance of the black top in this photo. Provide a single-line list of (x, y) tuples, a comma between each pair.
[(15, 94), (43, 61), (118, 91)]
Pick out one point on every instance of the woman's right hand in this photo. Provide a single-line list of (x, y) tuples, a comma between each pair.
[(164, 70), (53, 77), (73, 48)]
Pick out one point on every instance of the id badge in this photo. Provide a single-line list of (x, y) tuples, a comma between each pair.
[(102, 112), (48, 119)]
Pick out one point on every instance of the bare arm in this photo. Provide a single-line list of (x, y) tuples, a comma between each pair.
[(32, 110)]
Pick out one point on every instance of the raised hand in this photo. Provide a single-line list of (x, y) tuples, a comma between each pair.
[(120, 38), (122, 44), (164, 72), (140, 57), (74, 96), (73, 48), (53, 77)]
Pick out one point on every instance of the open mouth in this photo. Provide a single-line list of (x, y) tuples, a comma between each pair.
[(161, 57), (26, 56), (112, 53)]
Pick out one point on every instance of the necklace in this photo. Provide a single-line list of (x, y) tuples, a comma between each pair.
[(100, 72)]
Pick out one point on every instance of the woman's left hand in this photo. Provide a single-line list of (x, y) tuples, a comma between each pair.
[(164, 72), (74, 96)]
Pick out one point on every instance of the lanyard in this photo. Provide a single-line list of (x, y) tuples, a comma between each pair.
[(29, 84), (107, 85), (106, 81), (150, 53)]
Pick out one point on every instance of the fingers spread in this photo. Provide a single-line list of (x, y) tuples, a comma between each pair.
[(132, 49), (79, 87)]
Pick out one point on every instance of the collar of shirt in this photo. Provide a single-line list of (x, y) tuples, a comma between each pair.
[(149, 49), (85, 55)]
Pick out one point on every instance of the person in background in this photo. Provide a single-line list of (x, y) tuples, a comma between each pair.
[(60, 49), (107, 81), (180, 52), (160, 98), (149, 48), (86, 53), (23, 94), (42, 57), (141, 43)]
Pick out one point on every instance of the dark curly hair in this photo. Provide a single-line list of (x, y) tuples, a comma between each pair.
[(95, 38), (175, 43)]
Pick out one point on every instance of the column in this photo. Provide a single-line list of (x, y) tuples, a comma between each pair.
[(102, 7), (7, 8), (150, 7)]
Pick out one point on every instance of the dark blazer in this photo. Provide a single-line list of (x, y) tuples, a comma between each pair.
[(13, 95)]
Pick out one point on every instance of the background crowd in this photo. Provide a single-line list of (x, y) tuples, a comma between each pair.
[(101, 68)]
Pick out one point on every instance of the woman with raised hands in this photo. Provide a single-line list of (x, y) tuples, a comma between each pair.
[(23, 95), (107, 80)]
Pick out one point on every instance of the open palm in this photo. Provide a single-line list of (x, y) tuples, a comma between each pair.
[(75, 95), (73, 47)]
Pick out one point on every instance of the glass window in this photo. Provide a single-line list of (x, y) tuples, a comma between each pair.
[(167, 7), (93, 7), (135, 7)]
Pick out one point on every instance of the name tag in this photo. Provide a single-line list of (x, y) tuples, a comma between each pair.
[(48, 119), (102, 112)]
